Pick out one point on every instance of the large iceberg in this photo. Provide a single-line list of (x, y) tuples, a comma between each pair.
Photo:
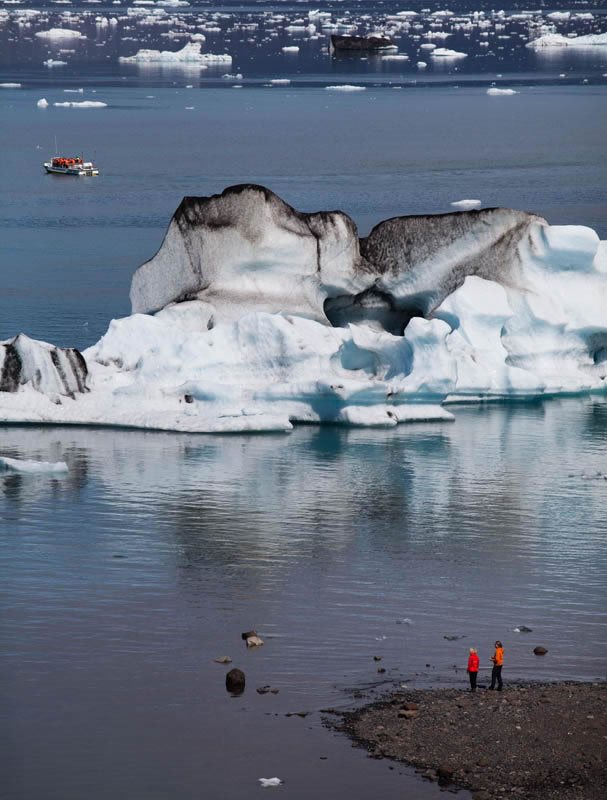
[(254, 316)]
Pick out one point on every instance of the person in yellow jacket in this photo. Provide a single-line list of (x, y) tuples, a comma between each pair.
[(498, 663)]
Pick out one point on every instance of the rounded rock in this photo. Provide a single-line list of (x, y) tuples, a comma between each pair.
[(235, 681)]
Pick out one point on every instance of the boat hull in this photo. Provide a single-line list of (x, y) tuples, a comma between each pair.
[(80, 172)]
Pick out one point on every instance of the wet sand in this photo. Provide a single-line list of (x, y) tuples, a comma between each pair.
[(545, 741)]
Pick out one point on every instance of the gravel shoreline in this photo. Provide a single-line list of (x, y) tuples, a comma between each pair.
[(532, 742)]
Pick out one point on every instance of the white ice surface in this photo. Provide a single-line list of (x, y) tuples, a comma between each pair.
[(189, 54), (29, 467), (542, 332), (464, 205), (58, 34), (345, 87), (495, 92), (80, 104), (445, 52), (558, 40)]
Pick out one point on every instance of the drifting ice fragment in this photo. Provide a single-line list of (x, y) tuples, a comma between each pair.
[(267, 783), (558, 40), (345, 87), (495, 92), (465, 205), (81, 104), (27, 467), (189, 54)]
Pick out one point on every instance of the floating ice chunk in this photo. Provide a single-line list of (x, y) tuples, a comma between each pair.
[(395, 57), (493, 91), (10, 85), (345, 87), (558, 40), (268, 783), (81, 104), (28, 467), (42, 103), (292, 48), (465, 205), (54, 62), (189, 54), (293, 318), (444, 52), (280, 81), (60, 33), (421, 65)]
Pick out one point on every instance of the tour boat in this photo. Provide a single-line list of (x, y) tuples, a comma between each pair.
[(70, 166)]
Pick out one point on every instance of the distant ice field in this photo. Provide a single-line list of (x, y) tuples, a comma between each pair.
[(101, 42)]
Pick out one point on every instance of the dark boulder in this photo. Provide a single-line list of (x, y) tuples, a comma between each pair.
[(235, 681)]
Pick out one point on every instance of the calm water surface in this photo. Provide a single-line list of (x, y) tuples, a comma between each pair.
[(124, 580)]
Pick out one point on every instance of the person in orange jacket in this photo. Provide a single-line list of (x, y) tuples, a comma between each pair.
[(473, 663), (498, 663)]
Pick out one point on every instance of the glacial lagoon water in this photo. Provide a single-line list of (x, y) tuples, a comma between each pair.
[(122, 581)]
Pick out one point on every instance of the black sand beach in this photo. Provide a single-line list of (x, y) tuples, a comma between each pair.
[(535, 741)]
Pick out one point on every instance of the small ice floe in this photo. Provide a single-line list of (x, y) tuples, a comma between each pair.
[(293, 48), (345, 87), (60, 33), (465, 205), (10, 85), (42, 103), (444, 52), (522, 629), (421, 65), (54, 62), (81, 104), (395, 57), (189, 54), (495, 92), (268, 783), (25, 466), (280, 81)]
